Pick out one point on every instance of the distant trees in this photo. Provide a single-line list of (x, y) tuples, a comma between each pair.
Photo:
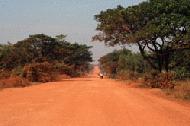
[(159, 28), (5, 55), (123, 63), (40, 48)]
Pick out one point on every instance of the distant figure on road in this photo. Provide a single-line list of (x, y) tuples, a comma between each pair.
[(101, 76)]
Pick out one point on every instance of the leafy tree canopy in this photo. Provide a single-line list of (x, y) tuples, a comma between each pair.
[(39, 48), (159, 26)]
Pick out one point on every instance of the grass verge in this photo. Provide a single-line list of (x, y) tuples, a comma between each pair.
[(181, 90)]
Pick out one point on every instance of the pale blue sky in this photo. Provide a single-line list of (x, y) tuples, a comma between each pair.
[(19, 18)]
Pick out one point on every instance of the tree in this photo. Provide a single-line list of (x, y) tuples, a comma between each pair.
[(157, 26), (182, 63), (40, 48), (6, 56), (112, 26), (122, 61), (109, 63), (78, 56)]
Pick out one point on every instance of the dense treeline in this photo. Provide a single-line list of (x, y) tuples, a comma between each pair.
[(40, 57), (161, 31), (123, 64)]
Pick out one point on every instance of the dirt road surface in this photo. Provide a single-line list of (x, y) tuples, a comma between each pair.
[(88, 101)]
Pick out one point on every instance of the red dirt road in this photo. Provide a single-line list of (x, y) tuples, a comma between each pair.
[(88, 102)]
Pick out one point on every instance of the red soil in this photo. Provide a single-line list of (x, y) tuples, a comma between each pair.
[(88, 101)]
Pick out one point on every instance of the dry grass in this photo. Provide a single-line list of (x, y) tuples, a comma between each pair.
[(181, 90), (159, 80), (13, 82)]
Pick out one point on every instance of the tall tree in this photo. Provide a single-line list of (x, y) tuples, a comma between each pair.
[(157, 26)]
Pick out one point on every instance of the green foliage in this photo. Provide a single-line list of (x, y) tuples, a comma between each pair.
[(112, 25), (40, 48), (6, 56), (157, 26), (39, 72), (180, 59), (123, 63), (109, 63)]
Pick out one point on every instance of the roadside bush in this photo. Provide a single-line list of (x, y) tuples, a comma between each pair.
[(14, 82), (181, 90), (151, 79), (4, 74), (62, 68), (39, 72), (159, 80), (182, 74), (127, 75), (123, 64), (18, 71), (166, 80), (180, 61)]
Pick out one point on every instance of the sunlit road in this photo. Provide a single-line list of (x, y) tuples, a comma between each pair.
[(88, 101)]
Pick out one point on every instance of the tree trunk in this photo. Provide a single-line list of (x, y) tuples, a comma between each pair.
[(142, 51)]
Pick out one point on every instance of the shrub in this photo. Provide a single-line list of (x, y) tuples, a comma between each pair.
[(18, 71), (166, 80), (39, 72), (4, 74), (62, 68), (13, 82), (151, 79), (181, 74), (181, 90), (159, 80), (127, 75)]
